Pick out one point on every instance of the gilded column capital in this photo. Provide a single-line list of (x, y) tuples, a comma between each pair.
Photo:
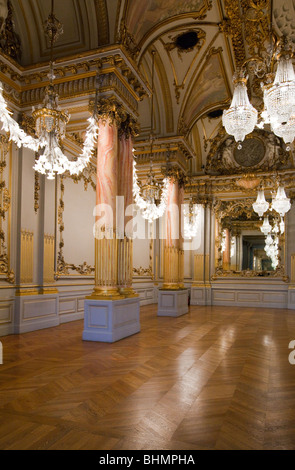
[(176, 175), (129, 127), (109, 110)]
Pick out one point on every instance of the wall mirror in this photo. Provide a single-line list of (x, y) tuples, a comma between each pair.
[(242, 249)]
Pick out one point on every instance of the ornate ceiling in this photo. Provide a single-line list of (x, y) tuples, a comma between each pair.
[(198, 43)]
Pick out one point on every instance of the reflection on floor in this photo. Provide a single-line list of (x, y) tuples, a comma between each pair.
[(216, 378)]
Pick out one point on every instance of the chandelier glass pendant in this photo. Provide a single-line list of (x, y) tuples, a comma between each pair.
[(151, 197), (281, 204), (278, 97), (266, 227), (241, 117), (261, 205)]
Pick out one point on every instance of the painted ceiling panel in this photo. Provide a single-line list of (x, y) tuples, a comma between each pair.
[(142, 16), (85, 27)]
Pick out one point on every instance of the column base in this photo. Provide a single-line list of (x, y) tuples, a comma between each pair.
[(105, 294), (128, 293), (171, 286), (172, 303), (108, 321)]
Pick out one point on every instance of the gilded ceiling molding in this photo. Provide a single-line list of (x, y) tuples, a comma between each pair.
[(102, 22), (128, 42), (220, 186), (28, 88), (235, 29)]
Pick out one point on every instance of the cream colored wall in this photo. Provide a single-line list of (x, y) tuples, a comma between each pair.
[(78, 223)]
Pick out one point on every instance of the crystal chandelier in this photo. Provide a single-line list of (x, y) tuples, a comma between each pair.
[(281, 204), (261, 205), (151, 197), (241, 117), (191, 222), (278, 96), (50, 123), (266, 227)]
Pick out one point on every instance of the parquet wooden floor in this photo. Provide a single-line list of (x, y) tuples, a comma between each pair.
[(216, 378)]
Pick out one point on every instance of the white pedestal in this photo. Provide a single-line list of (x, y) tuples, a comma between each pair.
[(172, 303), (110, 320)]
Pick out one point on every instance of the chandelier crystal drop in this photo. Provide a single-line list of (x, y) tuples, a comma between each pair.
[(261, 205), (191, 213), (241, 117), (281, 203)]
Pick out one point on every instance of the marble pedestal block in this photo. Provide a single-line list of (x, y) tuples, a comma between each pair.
[(110, 320), (172, 303)]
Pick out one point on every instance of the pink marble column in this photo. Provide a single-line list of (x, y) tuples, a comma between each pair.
[(106, 247), (172, 233)]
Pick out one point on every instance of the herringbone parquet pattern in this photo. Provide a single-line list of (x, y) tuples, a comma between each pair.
[(216, 378)]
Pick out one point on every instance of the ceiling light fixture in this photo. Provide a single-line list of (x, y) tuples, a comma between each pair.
[(51, 121), (151, 197), (278, 95)]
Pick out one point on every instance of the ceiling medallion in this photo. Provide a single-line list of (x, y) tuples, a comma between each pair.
[(251, 154)]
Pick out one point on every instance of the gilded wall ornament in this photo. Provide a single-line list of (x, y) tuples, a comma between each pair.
[(261, 151)]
